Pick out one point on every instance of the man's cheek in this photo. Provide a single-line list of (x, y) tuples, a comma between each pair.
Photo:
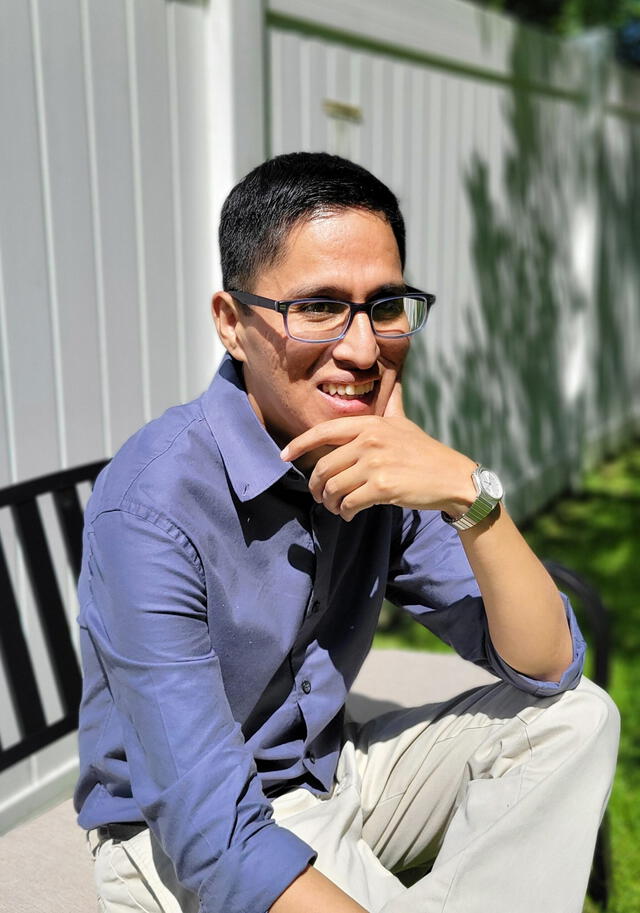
[(384, 393)]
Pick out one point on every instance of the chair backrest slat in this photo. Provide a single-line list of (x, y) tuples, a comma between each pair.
[(17, 660), (53, 619), (69, 513)]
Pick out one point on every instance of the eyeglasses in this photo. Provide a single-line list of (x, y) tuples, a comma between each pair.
[(327, 320)]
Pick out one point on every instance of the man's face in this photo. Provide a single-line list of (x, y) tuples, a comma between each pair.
[(350, 255)]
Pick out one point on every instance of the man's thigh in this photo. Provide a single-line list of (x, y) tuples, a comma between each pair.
[(413, 766), (396, 787), (136, 875)]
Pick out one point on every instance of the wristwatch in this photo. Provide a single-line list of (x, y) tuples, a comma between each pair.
[(490, 493)]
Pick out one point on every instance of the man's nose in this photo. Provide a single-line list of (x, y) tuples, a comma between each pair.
[(360, 345)]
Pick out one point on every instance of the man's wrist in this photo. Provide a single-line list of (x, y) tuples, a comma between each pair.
[(466, 494), (489, 493)]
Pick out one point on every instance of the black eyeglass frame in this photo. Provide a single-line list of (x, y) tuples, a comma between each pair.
[(248, 298)]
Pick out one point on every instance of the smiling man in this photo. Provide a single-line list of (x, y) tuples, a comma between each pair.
[(237, 552)]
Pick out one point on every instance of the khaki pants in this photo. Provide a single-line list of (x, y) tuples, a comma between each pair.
[(492, 799)]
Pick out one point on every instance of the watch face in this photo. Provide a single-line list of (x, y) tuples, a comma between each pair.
[(491, 484)]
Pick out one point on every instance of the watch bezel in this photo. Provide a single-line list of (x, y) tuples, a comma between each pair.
[(481, 472)]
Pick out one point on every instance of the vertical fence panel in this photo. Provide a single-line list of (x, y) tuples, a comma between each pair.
[(7, 450), (153, 135), (26, 325), (415, 139), (196, 124), (364, 145), (117, 295), (68, 194)]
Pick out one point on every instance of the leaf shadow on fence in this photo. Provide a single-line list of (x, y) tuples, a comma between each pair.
[(546, 380), (547, 362)]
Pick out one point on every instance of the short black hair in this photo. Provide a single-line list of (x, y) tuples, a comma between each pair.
[(264, 206)]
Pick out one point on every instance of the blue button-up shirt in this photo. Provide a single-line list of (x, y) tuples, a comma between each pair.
[(223, 618)]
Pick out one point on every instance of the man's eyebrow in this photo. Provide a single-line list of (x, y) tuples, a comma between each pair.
[(339, 293)]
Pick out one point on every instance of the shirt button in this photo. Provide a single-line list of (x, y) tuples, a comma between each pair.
[(306, 686), (311, 756)]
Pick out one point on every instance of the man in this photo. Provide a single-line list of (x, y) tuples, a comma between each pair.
[(237, 552)]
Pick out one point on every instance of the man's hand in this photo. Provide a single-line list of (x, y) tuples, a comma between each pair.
[(384, 460)]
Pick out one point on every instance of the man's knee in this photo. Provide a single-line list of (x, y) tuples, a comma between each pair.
[(592, 716)]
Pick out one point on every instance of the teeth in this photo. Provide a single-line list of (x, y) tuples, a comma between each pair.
[(347, 389)]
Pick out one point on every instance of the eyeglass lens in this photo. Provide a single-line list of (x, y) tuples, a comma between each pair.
[(326, 319)]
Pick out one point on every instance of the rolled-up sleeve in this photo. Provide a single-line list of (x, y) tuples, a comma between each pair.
[(431, 578), (192, 775)]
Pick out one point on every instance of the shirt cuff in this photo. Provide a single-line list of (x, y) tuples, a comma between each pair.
[(570, 677), (250, 877)]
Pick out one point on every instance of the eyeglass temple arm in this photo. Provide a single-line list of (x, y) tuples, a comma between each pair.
[(258, 301)]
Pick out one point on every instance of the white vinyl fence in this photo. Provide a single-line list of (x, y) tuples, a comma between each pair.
[(123, 123), (106, 260), (516, 159)]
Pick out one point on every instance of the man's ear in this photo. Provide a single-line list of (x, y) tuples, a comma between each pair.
[(226, 316)]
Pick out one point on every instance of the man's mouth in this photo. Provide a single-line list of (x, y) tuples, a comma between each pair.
[(348, 389)]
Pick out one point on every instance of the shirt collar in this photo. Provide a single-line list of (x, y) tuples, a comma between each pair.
[(250, 456)]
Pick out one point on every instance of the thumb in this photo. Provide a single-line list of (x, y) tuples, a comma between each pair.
[(394, 407)]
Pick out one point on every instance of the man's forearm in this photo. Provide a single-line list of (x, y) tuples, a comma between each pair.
[(526, 617), (312, 892)]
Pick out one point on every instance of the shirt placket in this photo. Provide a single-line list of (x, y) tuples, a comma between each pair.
[(323, 533)]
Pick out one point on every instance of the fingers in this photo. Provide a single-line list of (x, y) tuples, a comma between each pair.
[(347, 480), (326, 471), (335, 432), (341, 486), (357, 500), (347, 493)]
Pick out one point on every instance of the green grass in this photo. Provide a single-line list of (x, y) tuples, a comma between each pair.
[(597, 534)]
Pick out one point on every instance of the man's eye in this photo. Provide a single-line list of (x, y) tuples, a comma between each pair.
[(319, 308), (385, 310)]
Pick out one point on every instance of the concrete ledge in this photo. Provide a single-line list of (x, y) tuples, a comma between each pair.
[(390, 679), (45, 866)]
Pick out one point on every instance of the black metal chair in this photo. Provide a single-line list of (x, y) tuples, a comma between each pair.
[(21, 502), (591, 609)]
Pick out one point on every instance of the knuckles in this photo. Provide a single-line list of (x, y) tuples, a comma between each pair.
[(378, 455), (346, 510), (331, 488), (372, 438), (384, 485)]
